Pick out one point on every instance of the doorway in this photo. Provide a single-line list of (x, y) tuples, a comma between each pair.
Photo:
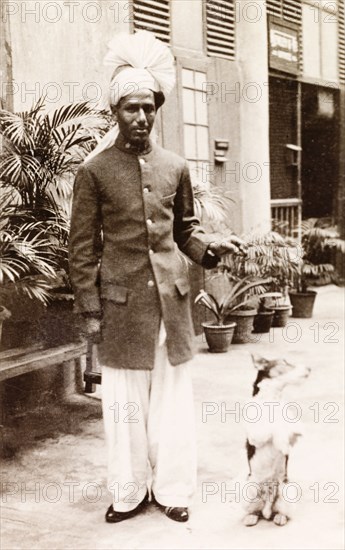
[(320, 151)]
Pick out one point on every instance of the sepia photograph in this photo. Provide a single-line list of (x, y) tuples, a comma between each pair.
[(172, 274)]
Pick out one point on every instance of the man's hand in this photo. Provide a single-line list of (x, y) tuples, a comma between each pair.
[(231, 245), (92, 328)]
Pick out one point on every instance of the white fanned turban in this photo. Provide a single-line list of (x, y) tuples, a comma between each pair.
[(139, 61)]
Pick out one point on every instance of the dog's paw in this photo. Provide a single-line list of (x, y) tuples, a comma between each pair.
[(280, 519), (250, 520)]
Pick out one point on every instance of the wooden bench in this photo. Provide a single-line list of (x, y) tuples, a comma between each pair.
[(14, 362)]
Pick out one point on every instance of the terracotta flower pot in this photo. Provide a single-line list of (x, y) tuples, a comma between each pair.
[(219, 337), (281, 315), (263, 321), (244, 320), (302, 303)]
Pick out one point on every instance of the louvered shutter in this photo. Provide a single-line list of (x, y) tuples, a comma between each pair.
[(220, 28), (275, 7), (154, 16), (292, 11), (341, 16)]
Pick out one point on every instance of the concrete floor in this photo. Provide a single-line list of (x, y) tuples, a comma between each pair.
[(58, 485)]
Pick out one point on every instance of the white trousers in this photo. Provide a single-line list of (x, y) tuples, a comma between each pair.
[(150, 432)]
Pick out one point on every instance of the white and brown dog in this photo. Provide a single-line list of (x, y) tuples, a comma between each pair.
[(269, 441)]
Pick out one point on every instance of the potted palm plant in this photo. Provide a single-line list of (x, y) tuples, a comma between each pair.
[(317, 246), (233, 311), (268, 255), (40, 155), (26, 260)]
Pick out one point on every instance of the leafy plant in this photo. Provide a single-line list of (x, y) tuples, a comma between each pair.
[(40, 155), (211, 205), (237, 297), (26, 261), (318, 244), (268, 255)]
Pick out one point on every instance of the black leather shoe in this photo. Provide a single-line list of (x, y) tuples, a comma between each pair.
[(176, 513), (115, 517)]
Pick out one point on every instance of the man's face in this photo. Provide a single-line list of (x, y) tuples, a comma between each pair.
[(135, 115)]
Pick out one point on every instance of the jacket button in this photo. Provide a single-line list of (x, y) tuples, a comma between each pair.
[(151, 252), (146, 190), (150, 284), (142, 161), (149, 222)]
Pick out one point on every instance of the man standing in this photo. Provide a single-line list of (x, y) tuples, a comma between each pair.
[(133, 215)]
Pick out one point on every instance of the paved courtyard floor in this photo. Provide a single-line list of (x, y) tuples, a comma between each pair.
[(54, 493)]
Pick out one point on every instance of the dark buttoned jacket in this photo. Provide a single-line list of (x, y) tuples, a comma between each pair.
[(132, 216)]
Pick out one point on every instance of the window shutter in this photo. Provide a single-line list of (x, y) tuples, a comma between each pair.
[(290, 10), (154, 16), (341, 15), (220, 28), (274, 7)]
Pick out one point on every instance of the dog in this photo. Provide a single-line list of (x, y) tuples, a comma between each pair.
[(269, 441)]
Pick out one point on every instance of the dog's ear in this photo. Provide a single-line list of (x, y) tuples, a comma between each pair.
[(293, 438), (260, 363)]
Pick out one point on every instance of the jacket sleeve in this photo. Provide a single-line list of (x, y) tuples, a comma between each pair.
[(188, 233), (85, 243)]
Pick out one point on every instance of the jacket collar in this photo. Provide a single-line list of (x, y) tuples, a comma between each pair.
[(126, 147)]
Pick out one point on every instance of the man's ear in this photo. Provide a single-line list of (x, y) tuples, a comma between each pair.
[(159, 99)]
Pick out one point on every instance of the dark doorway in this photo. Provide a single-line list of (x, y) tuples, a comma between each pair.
[(283, 131), (320, 150)]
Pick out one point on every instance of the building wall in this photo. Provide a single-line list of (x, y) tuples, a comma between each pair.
[(5, 64), (254, 115), (238, 108), (225, 114), (57, 48)]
